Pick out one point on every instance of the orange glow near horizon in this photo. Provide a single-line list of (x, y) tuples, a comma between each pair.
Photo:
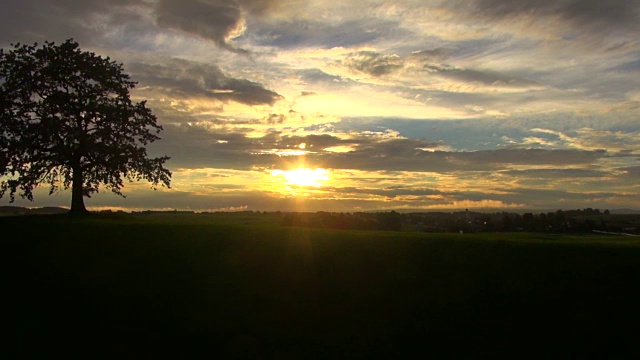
[(302, 176)]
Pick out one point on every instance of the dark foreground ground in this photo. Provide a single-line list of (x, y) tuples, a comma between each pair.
[(189, 287)]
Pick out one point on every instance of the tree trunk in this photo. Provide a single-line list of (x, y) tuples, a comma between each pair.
[(77, 194)]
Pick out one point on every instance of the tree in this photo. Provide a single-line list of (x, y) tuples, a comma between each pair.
[(67, 120)]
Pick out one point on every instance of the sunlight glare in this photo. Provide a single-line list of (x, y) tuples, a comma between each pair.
[(303, 176)]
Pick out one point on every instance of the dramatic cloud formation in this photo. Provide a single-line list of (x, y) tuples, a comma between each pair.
[(182, 79), (404, 104), (588, 14)]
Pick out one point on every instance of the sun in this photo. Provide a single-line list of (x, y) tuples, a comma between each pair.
[(303, 176)]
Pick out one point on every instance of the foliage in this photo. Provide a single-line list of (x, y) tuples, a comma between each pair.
[(67, 120)]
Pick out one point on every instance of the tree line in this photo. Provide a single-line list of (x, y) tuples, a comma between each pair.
[(560, 221)]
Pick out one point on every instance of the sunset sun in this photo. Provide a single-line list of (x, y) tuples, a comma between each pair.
[(302, 176)]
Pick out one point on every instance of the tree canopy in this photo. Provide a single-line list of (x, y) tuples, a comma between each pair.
[(67, 120)]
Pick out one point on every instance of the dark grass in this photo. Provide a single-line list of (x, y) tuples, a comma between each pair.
[(193, 286)]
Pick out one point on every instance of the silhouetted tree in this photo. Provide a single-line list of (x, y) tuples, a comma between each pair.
[(66, 120)]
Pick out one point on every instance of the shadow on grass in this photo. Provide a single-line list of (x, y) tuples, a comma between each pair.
[(113, 286)]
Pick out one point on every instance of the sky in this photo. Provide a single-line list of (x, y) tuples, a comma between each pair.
[(299, 105)]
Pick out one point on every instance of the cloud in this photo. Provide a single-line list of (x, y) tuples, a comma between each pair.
[(57, 20), (556, 197), (428, 65), (317, 142), (329, 33), (557, 173), (430, 55), (373, 63), (632, 172), (315, 76), (93, 20), (590, 139), (590, 15), (407, 102), (215, 20), (202, 144), (91, 6), (186, 79), (395, 156), (484, 78), (534, 156)]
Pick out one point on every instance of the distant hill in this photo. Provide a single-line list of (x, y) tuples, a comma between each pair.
[(19, 210), (48, 210), (496, 210), (13, 210), (625, 211)]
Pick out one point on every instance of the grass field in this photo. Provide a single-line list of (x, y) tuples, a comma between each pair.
[(187, 286)]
